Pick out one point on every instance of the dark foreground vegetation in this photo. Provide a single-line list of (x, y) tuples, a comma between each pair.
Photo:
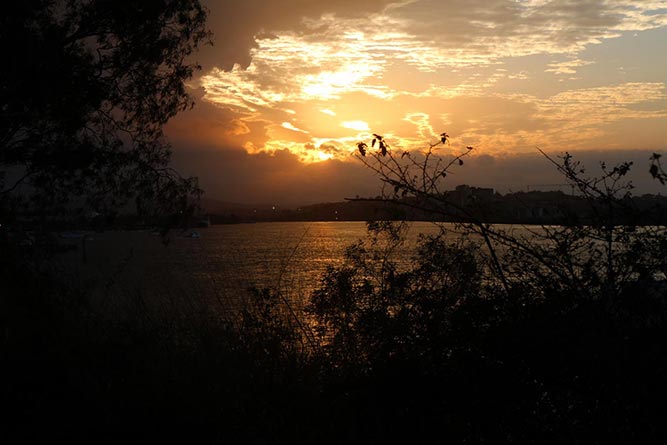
[(555, 336), (552, 337)]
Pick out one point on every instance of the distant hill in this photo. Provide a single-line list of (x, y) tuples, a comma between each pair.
[(214, 206), (462, 204)]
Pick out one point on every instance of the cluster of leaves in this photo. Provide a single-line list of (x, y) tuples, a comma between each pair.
[(412, 173), (85, 91), (656, 170), (557, 327), (552, 352), (371, 310), (383, 147), (597, 245)]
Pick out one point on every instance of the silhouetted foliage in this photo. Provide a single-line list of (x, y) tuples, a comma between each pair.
[(534, 334), (85, 88), (529, 334)]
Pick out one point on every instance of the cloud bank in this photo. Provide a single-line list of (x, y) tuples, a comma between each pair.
[(292, 84)]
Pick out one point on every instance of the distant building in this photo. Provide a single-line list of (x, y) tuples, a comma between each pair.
[(465, 195)]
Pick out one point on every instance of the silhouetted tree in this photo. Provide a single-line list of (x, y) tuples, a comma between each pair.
[(533, 334), (599, 252), (85, 89)]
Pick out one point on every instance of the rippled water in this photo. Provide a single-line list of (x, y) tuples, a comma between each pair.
[(217, 268), (125, 270)]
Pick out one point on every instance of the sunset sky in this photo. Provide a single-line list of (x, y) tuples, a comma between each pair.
[(290, 86)]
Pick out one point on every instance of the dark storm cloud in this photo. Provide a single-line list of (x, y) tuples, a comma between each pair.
[(210, 125), (233, 175)]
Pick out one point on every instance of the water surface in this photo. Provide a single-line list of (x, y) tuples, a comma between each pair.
[(216, 269)]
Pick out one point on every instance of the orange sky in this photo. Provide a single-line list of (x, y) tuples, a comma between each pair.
[(310, 79)]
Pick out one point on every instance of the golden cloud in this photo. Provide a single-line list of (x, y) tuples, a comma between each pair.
[(413, 68)]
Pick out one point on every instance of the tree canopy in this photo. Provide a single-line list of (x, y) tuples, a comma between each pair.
[(85, 89)]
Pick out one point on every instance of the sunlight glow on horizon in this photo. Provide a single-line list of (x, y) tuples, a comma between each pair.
[(490, 83)]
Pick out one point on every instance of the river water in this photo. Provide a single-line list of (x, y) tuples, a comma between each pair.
[(217, 268), (132, 270)]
